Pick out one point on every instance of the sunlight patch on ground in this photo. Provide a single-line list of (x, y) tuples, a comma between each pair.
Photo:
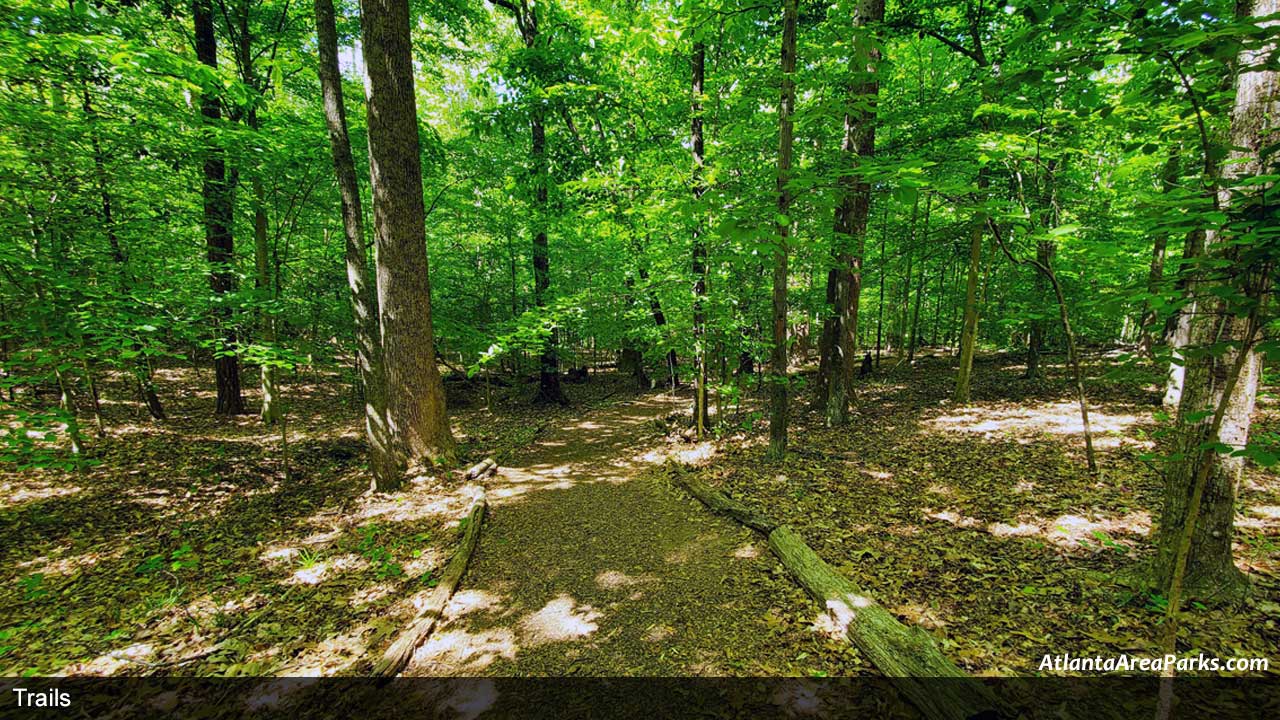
[(333, 654), (400, 508), (110, 663), (466, 602), (460, 651), (615, 580), (11, 495), (1266, 511), (367, 596), (309, 576), (921, 615), (746, 552), (560, 620), (67, 565), (1068, 532), (1061, 418)]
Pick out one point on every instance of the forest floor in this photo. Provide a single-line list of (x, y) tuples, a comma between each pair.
[(589, 566), (183, 548), (981, 523)]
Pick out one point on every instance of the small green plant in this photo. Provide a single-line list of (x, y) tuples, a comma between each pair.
[(165, 599), (183, 557), (307, 558), (32, 587), (1105, 541), (382, 560)]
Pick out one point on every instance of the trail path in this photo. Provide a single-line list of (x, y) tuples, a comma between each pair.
[(584, 567)]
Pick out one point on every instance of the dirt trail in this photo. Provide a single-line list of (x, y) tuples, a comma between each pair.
[(586, 568)]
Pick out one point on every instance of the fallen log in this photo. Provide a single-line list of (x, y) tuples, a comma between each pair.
[(720, 503), (401, 650), (484, 467), (908, 656)]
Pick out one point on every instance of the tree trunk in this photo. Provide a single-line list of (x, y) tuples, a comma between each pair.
[(660, 319), (270, 387), (364, 302), (549, 390), (1155, 275), (701, 418), (921, 284), (838, 347), (218, 218), (1035, 340), (1196, 528), (415, 396), (1178, 331), (969, 331), (884, 268), (779, 390)]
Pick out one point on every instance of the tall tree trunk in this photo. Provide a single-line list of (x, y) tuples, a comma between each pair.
[(549, 390), (937, 305), (415, 395), (884, 269), (969, 331), (1178, 330), (271, 409), (218, 218), (1155, 275), (921, 284), (701, 418), (779, 390), (838, 347), (364, 303), (1196, 528), (1035, 340)]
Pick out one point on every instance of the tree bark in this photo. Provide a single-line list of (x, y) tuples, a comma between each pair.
[(969, 331), (1196, 527), (218, 218), (778, 361), (921, 284), (364, 302), (1035, 340), (1155, 275), (701, 418), (416, 415), (838, 346)]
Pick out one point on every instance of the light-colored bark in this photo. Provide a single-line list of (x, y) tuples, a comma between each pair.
[(364, 302), (1196, 528)]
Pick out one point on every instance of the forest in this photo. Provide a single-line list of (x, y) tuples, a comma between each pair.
[(903, 340)]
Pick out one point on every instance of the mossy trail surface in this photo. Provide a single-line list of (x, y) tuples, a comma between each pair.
[(587, 565)]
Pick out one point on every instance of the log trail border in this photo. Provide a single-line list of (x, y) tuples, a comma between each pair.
[(908, 656), (397, 656)]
